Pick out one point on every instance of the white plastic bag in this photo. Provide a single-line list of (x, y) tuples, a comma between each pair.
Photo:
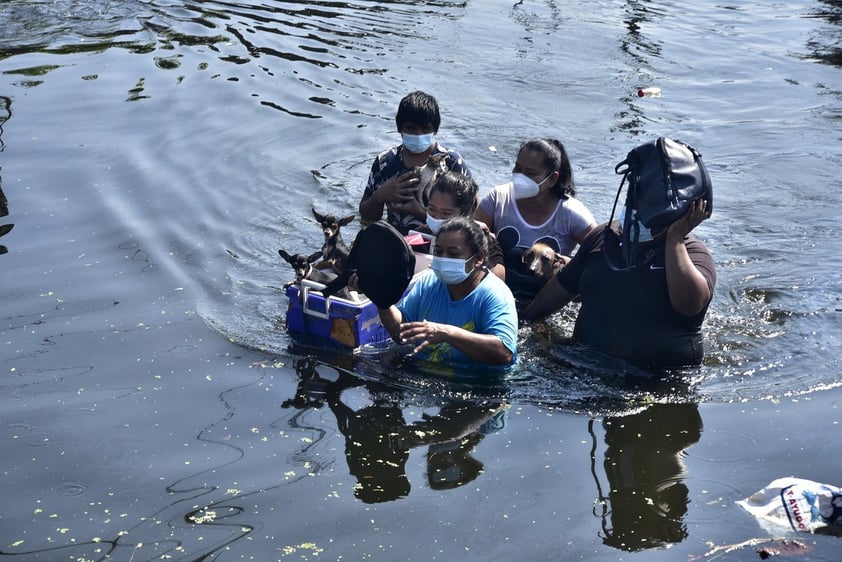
[(796, 504)]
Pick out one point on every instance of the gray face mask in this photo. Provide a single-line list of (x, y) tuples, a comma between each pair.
[(643, 234)]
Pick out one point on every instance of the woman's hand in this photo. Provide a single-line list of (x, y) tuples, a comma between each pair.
[(689, 292), (692, 218), (483, 348), (425, 332)]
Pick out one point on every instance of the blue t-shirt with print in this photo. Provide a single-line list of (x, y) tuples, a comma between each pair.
[(488, 309)]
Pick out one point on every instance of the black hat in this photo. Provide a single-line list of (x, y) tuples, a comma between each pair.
[(384, 264)]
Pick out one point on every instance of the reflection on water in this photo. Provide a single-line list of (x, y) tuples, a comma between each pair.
[(644, 465), (5, 115), (246, 113), (825, 44), (378, 438), (307, 42), (640, 51)]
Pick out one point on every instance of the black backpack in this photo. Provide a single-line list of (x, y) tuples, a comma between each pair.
[(664, 176)]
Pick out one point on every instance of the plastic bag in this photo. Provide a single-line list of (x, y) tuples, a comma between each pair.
[(797, 504)]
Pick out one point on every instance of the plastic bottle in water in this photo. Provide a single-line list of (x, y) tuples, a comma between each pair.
[(651, 92)]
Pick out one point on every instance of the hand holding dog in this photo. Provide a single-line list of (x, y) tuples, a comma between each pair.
[(398, 190)]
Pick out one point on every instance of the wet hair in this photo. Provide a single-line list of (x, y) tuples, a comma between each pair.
[(462, 188), (418, 107), (556, 160), (474, 235)]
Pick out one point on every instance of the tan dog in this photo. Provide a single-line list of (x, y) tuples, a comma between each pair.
[(542, 261)]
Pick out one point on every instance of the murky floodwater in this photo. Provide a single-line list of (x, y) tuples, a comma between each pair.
[(155, 156)]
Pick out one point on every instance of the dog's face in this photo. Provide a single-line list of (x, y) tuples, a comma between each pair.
[(427, 174), (300, 263), (427, 171), (542, 261), (331, 223)]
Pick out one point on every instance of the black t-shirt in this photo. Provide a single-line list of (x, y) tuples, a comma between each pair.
[(628, 313)]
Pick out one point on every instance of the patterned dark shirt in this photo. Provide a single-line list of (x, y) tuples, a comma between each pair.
[(388, 164)]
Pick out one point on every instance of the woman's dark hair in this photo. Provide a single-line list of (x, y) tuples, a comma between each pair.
[(420, 108), (474, 235), (556, 160), (462, 188)]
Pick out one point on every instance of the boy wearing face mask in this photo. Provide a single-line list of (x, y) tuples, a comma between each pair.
[(538, 205), (391, 182)]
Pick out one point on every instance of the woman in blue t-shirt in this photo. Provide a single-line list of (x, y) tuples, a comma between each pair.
[(459, 312)]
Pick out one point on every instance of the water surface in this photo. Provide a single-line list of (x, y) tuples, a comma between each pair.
[(155, 155)]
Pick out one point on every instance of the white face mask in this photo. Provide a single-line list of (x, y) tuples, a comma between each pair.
[(450, 271), (417, 143), (645, 235), (434, 224), (525, 187)]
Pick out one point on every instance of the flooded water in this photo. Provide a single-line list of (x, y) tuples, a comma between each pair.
[(155, 155)]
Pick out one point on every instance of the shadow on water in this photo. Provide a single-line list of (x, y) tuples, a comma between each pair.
[(638, 49), (5, 115), (340, 42), (379, 438), (552, 372), (643, 475), (824, 46)]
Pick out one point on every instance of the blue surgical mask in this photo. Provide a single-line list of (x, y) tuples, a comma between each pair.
[(525, 187), (417, 143), (450, 271), (644, 235), (434, 224)]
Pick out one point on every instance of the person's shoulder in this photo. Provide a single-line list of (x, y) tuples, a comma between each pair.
[(388, 155), (574, 204), (438, 148), (502, 190), (695, 244), (497, 288), (497, 197), (595, 236), (453, 159), (422, 287), (426, 280)]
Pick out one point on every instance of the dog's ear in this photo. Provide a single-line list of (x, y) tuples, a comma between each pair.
[(526, 256), (319, 217), (285, 255), (346, 221), (559, 260), (314, 256)]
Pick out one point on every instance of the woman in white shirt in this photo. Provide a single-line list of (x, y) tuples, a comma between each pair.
[(538, 205)]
